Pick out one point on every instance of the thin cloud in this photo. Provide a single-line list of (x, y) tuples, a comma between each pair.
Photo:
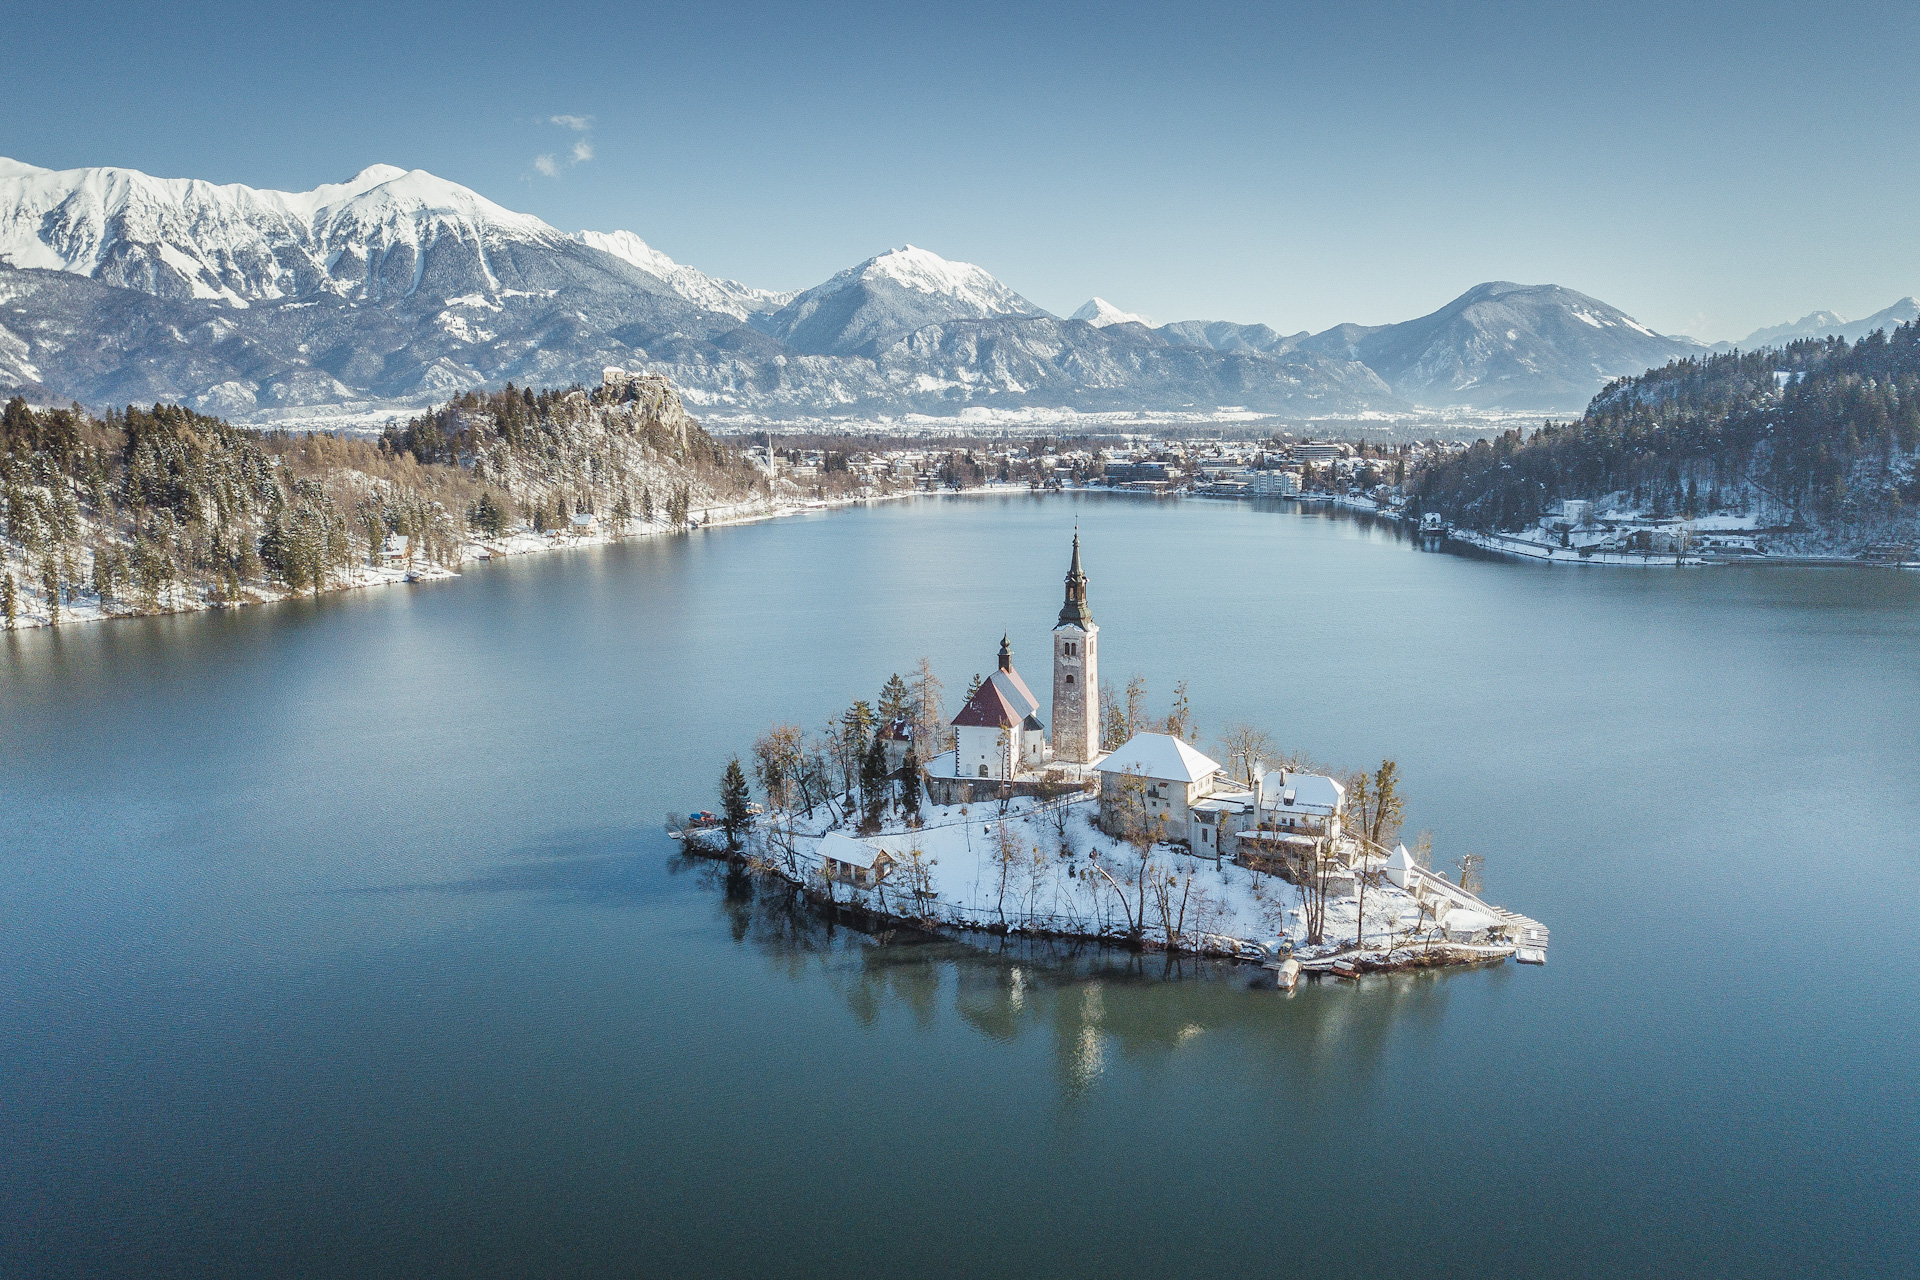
[(553, 164)]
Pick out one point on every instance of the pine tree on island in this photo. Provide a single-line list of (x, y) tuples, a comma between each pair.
[(734, 803), (873, 781), (910, 787), (895, 702)]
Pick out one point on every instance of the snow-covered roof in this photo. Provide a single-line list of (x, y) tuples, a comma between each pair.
[(841, 847), (1301, 792), (1161, 756)]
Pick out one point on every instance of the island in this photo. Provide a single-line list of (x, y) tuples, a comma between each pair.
[(1110, 827)]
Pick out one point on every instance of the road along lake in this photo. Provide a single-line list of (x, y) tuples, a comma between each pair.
[(342, 937)]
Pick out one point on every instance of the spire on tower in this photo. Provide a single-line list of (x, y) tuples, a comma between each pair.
[(1006, 654), (1075, 611)]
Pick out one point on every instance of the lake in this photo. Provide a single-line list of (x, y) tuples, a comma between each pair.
[(342, 937)]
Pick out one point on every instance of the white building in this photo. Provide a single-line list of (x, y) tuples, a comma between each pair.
[(1275, 484), (1155, 778), (998, 734)]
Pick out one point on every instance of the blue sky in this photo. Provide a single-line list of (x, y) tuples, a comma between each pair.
[(1709, 168)]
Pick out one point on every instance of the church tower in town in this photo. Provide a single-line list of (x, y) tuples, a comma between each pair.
[(1076, 673)]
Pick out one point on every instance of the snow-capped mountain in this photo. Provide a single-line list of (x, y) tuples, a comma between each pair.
[(1821, 324), (379, 234), (728, 297), (1508, 346), (1100, 313), (867, 307), (1225, 335), (395, 288), (383, 235)]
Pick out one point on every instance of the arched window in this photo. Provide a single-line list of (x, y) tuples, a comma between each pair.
[(1069, 677), (983, 771)]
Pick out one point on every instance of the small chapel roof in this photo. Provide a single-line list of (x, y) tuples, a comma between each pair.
[(1001, 702)]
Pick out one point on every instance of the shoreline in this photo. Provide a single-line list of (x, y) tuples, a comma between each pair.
[(1505, 547), (1255, 914), (473, 551)]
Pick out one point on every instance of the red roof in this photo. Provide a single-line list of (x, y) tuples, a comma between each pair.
[(1002, 701)]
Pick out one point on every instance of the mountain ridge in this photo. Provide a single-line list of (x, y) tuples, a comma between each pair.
[(395, 288)]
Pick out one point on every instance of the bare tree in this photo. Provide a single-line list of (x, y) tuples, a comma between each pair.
[(1006, 855), (1387, 805), (1136, 712), (1171, 893), (929, 713), (1245, 748), (918, 872), (776, 763), (1037, 871), (1180, 718), (1318, 882)]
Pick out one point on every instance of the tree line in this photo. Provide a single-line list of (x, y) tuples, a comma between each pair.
[(1821, 427), (141, 510)]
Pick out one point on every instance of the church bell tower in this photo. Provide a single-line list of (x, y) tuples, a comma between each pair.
[(1076, 673)]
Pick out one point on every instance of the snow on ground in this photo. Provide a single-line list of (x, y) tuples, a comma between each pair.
[(1054, 882)]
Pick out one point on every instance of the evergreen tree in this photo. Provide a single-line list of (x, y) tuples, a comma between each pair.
[(50, 587), (734, 801), (9, 601), (873, 779), (895, 702), (910, 787), (856, 732)]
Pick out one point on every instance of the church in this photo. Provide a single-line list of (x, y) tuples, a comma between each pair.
[(1001, 745)]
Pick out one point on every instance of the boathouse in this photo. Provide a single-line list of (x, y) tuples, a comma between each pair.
[(854, 862)]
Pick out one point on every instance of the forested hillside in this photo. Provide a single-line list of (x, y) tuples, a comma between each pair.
[(157, 509), (1819, 436)]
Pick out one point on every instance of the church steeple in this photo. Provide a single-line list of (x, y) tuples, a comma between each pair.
[(1006, 654), (1075, 612)]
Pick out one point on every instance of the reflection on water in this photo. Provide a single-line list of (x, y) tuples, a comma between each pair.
[(1089, 1002)]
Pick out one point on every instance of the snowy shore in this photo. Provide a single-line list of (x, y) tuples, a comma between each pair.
[(84, 607), (1044, 869)]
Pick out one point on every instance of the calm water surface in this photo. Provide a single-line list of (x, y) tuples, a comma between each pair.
[(342, 939)]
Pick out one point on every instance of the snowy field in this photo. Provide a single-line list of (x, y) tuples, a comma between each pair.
[(1044, 867)]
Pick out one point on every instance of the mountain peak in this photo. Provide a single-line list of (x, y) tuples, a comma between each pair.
[(925, 271), (1100, 313), (867, 306)]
